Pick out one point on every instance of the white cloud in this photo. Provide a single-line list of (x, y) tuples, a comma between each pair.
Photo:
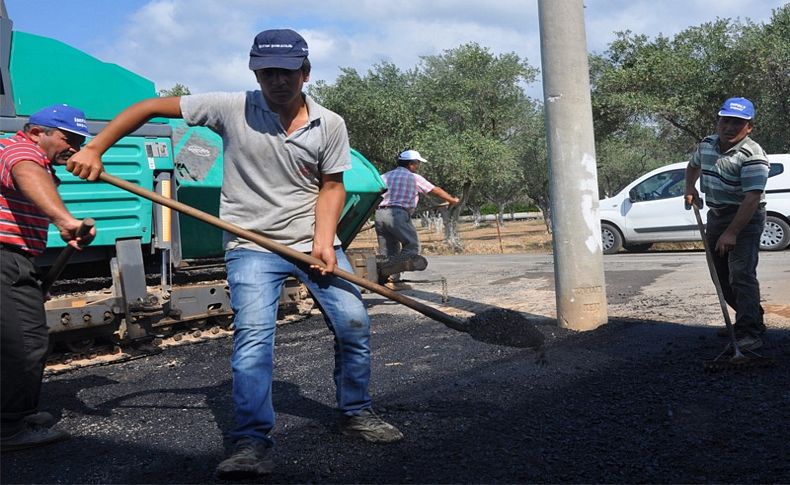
[(603, 17), (204, 43)]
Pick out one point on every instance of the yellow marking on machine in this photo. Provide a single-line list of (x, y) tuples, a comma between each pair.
[(167, 213)]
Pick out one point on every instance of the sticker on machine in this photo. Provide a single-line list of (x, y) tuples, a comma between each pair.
[(156, 150)]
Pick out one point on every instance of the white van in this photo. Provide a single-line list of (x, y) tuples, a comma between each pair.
[(650, 209)]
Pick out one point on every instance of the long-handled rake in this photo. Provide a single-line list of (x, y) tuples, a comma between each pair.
[(732, 357), (497, 326)]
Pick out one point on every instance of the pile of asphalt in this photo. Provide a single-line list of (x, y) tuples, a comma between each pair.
[(629, 402), (502, 326)]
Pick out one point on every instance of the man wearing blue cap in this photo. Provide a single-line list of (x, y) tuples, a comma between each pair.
[(29, 200), (284, 158), (734, 170)]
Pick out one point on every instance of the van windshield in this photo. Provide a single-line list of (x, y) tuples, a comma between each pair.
[(661, 186)]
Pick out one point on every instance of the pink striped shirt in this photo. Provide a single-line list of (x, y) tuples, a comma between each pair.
[(22, 224), (404, 188)]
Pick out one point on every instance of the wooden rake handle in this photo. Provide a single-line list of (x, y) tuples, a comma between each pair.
[(712, 266), (280, 249), (63, 258)]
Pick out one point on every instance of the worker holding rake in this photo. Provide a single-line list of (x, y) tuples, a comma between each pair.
[(284, 158), (734, 170)]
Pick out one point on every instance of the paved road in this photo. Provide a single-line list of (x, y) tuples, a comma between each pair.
[(675, 284), (628, 402)]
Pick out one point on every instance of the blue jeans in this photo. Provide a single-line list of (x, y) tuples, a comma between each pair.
[(256, 279), (737, 270)]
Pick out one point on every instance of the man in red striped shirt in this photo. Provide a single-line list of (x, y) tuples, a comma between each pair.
[(29, 200)]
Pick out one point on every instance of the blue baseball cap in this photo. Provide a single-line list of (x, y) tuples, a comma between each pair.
[(278, 48), (62, 117), (737, 108)]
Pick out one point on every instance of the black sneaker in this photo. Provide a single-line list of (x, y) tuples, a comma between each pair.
[(399, 264), (417, 263), (41, 418), (750, 342), (370, 427), (32, 436), (250, 459)]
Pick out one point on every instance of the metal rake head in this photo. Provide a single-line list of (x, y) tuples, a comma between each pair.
[(740, 361)]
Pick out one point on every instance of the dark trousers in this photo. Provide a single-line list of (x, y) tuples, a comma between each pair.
[(396, 234), (738, 270), (23, 341)]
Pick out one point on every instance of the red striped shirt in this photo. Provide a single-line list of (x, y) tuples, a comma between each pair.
[(22, 224)]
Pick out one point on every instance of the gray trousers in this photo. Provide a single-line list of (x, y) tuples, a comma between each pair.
[(24, 339), (396, 234), (738, 270)]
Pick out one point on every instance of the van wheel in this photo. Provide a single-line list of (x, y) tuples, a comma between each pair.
[(638, 248), (611, 238), (776, 234)]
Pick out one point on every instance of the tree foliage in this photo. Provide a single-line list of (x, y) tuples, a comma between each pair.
[(459, 109), (653, 99), (766, 53), (682, 81), (379, 110), (177, 90), (529, 144), (625, 155)]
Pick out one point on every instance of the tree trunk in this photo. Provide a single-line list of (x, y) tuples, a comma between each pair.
[(478, 217), (450, 216), (451, 236), (425, 218), (545, 208), (500, 215), (437, 222)]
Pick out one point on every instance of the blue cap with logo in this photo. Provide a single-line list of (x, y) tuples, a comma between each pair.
[(278, 48), (737, 108), (62, 117)]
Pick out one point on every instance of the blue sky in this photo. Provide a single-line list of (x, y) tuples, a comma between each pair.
[(204, 43)]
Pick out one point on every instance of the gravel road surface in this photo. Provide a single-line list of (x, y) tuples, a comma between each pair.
[(628, 402)]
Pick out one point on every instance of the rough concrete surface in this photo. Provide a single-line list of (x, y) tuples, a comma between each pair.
[(628, 402)]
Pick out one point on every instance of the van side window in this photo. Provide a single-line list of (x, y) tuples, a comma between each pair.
[(661, 186), (776, 169)]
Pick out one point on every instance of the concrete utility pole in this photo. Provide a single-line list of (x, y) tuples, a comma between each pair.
[(576, 226)]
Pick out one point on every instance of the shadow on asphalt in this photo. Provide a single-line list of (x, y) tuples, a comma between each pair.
[(628, 402)]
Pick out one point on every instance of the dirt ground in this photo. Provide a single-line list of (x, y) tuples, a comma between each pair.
[(513, 237)]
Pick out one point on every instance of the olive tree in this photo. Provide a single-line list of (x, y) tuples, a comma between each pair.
[(378, 109), (471, 100), (177, 90), (681, 81)]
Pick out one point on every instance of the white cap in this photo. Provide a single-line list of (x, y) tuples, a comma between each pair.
[(408, 155)]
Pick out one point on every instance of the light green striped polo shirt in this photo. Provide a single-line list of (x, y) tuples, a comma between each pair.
[(726, 177)]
